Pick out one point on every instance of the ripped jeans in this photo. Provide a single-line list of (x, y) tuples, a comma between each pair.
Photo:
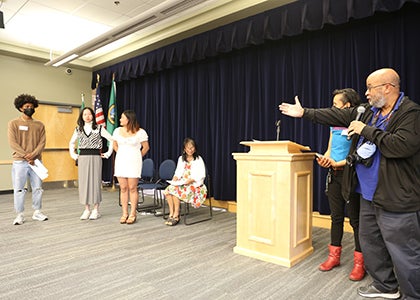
[(21, 171)]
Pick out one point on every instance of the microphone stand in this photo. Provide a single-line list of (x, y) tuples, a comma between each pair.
[(278, 129)]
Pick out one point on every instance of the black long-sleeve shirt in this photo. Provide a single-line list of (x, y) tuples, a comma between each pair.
[(398, 188)]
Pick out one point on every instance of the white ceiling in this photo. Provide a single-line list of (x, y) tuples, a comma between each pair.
[(45, 29)]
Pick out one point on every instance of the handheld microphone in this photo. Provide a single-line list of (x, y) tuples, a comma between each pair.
[(360, 111)]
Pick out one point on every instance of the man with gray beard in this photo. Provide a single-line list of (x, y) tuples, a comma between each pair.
[(384, 168)]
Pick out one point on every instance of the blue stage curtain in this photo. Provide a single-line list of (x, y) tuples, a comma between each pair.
[(224, 86), (286, 21)]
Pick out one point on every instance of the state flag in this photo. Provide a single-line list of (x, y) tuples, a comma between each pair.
[(111, 120)]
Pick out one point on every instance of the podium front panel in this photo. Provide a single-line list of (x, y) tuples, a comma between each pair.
[(261, 224), (274, 207), (302, 209)]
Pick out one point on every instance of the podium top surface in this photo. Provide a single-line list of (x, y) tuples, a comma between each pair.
[(275, 147)]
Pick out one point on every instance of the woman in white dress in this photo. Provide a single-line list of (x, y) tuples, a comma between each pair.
[(130, 144)]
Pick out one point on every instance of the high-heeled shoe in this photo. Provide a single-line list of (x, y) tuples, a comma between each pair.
[(131, 219), (123, 219)]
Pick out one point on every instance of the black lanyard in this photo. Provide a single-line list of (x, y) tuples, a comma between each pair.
[(376, 116), (386, 120), (375, 119)]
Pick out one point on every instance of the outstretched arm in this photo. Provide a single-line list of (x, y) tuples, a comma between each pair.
[(292, 110)]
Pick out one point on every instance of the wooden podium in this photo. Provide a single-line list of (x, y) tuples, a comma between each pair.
[(274, 202)]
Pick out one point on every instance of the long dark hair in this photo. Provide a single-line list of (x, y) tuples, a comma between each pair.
[(189, 141), (80, 121), (132, 125)]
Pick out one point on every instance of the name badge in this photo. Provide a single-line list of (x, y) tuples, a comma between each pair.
[(22, 127)]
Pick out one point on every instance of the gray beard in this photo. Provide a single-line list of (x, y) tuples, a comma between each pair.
[(378, 103)]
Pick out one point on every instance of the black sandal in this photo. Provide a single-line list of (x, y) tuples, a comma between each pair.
[(173, 221), (168, 220)]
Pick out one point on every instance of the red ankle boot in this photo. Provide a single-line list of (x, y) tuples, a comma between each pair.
[(333, 259), (358, 271)]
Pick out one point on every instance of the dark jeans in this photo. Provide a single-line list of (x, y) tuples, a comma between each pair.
[(338, 205), (391, 242)]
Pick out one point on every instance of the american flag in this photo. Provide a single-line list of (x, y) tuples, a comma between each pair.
[(99, 113)]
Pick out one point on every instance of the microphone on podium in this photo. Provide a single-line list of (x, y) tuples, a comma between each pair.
[(277, 123), (360, 111)]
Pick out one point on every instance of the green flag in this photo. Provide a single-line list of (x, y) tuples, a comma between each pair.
[(83, 102), (111, 120)]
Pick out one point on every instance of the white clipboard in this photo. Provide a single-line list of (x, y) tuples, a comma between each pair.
[(176, 182), (39, 169)]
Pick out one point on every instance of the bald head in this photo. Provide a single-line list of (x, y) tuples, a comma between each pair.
[(386, 75), (383, 88)]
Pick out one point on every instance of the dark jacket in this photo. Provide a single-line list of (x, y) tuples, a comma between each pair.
[(398, 187)]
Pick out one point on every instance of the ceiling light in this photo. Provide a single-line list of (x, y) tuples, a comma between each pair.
[(146, 19), (64, 60)]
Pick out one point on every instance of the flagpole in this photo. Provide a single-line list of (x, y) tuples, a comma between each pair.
[(112, 172), (111, 123), (97, 108), (81, 108)]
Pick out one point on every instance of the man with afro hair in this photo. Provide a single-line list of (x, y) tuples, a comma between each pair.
[(27, 141)]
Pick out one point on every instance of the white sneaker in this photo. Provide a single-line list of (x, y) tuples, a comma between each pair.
[(19, 219), (39, 216), (85, 215), (94, 215)]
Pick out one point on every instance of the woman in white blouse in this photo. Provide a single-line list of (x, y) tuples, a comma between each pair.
[(89, 156), (187, 183)]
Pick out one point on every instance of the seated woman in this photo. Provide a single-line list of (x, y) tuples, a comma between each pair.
[(188, 182)]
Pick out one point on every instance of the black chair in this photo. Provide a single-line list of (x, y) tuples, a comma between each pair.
[(148, 182), (166, 172), (186, 207)]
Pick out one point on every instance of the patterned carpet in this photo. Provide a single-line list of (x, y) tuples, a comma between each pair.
[(66, 258)]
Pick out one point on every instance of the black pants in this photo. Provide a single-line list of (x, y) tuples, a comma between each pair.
[(338, 206), (391, 243)]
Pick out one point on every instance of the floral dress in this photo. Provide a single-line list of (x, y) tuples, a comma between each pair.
[(189, 193)]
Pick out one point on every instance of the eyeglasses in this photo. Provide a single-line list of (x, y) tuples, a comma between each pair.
[(379, 85)]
